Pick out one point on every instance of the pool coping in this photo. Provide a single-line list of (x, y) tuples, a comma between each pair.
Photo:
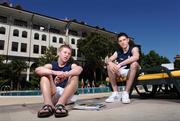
[(13, 100)]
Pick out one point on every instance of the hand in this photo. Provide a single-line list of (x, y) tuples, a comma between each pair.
[(60, 76), (119, 66), (113, 67), (57, 80)]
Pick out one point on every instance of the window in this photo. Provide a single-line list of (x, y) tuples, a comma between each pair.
[(23, 47), (1, 44), (36, 27), (43, 49), (16, 33), (36, 49), (43, 37), (73, 32), (3, 19), (14, 46), (73, 52), (54, 39), (36, 36), (53, 30), (2, 30), (20, 22), (60, 40), (72, 41), (24, 34)]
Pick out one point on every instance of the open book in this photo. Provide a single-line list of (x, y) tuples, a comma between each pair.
[(88, 106)]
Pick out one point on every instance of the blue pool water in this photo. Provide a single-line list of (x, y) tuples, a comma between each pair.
[(38, 92)]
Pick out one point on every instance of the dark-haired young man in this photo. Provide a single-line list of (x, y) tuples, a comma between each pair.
[(127, 57)]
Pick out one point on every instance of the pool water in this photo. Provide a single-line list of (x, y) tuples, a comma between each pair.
[(38, 92)]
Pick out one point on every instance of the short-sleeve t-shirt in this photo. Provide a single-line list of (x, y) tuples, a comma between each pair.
[(56, 67)]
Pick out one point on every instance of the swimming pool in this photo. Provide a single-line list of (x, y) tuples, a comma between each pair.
[(38, 92)]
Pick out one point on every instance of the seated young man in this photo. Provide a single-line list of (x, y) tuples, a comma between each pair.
[(127, 57), (59, 81)]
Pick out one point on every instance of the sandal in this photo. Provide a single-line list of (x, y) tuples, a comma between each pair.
[(60, 111), (46, 111)]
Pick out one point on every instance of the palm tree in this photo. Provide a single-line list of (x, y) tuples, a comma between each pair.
[(15, 68)]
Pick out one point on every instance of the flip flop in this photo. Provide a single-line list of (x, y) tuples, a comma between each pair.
[(46, 111), (60, 111)]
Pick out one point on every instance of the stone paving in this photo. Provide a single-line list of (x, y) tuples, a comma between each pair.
[(151, 109)]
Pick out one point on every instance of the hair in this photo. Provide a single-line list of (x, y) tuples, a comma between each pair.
[(122, 34), (64, 46), (131, 40)]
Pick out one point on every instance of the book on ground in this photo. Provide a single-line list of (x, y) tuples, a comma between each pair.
[(88, 106)]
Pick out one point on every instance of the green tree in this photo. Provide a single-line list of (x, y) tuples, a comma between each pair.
[(152, 59), (16, 67), (1, 65), (2, 58), (50, 55), (2, 71), (95, 48), (177, 64)]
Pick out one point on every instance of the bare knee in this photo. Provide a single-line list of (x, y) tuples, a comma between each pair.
[(44, 79), (134, 65), (74, 79), (109, 70)]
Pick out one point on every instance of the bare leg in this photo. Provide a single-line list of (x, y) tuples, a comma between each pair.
[(131, 75), (47, 88), (112, 79), (69, 90)]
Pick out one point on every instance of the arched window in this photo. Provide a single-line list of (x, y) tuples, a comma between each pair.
[(16, 33), (43, 37), (54, 39), (2, 30), (72, 41), (60, 40), (24, 34), (36, 36)]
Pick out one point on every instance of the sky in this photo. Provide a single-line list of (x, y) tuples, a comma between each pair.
[(155, 24)]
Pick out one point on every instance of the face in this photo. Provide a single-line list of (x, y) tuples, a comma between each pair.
[(64, 54), (123, 41)]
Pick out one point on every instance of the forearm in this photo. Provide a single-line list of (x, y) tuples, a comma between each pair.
[(112, 58), (108, 61), (75, 71), (42, 71), (129, 61)]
